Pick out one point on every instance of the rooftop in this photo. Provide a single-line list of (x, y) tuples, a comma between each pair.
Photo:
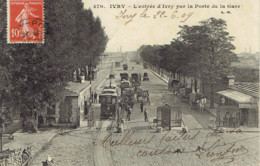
[(74, 88), (248, 88), (236, 96)]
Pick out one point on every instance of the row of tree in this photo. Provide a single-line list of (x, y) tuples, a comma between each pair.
[(201, 51), (32, 74)]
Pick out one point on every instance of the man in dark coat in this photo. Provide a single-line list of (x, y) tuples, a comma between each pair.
[(95, 97), (142, 106), (145, 116)]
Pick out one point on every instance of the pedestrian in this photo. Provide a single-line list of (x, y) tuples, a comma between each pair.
[(148, 99), (95, 97), (128, 113), (145, 116), (122, 105), (203, 103), (92, 97), (141, 106)]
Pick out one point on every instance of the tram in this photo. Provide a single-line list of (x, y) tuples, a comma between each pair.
[(135, 79), (108, 105)]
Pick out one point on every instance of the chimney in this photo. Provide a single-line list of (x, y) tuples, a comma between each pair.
[(231, 79)]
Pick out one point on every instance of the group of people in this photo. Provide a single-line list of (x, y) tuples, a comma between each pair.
[(126, 106), (128, 110)]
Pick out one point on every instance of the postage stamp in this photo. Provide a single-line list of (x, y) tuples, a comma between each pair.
[(25, 21)]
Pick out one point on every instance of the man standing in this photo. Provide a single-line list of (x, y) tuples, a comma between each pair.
[(141, 106), (95, 97), (148, 99), (92, 97), (145, 116), (128, 113)]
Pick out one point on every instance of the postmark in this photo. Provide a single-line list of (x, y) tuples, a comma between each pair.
[(25, 21)]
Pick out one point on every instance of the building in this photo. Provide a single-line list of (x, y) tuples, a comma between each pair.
[(70, 109), (239, 105), (169, 113)]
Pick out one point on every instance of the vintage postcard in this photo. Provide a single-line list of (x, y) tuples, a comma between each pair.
[(129, 82)]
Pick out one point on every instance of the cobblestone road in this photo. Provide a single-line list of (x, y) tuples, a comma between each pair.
[(140, 145)]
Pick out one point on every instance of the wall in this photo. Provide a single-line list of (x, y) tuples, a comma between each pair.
[(75, 116), (83, 95)]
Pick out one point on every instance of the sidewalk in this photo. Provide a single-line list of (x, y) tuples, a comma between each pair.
[(37, 141), (158, 75), (213, 111), (138, 124)]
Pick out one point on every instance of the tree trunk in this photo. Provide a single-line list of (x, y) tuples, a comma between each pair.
[(1, 142), (1, 137), (212, 95), (203, 87), (195, 86), (184, 81)]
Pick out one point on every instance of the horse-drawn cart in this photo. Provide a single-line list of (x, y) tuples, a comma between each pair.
[(185, 93), (174, 85), (143, 95), (145, 77)]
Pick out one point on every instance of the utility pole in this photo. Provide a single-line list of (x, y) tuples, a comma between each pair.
[(90, 78), (121, 53)]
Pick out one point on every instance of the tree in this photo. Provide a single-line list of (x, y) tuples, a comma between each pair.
[(32, 75), (151, 55), (209, 50), (201, 51)]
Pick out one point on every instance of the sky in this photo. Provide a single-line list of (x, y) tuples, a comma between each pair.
[(243, 21)]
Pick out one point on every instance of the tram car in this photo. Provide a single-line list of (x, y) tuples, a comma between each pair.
[(108, 105), (135, 79), (145, 77), (145, 65), (124, 76), (111, 76), (125, 66), (174, 85), (125, 84)]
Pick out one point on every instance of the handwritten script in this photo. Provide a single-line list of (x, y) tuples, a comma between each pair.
[(128, 16), (213, 147)]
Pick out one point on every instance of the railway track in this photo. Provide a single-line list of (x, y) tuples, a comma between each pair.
[(103, 156)]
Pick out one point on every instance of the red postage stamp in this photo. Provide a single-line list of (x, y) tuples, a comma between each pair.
[(25, 21)]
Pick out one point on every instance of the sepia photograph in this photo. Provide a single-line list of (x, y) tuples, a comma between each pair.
[(129, 82)]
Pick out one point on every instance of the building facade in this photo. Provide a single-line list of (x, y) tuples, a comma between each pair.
[(69, 111), (239, 105)]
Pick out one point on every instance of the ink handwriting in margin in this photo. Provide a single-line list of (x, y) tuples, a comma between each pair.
[(215, 151), (155, 14)]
